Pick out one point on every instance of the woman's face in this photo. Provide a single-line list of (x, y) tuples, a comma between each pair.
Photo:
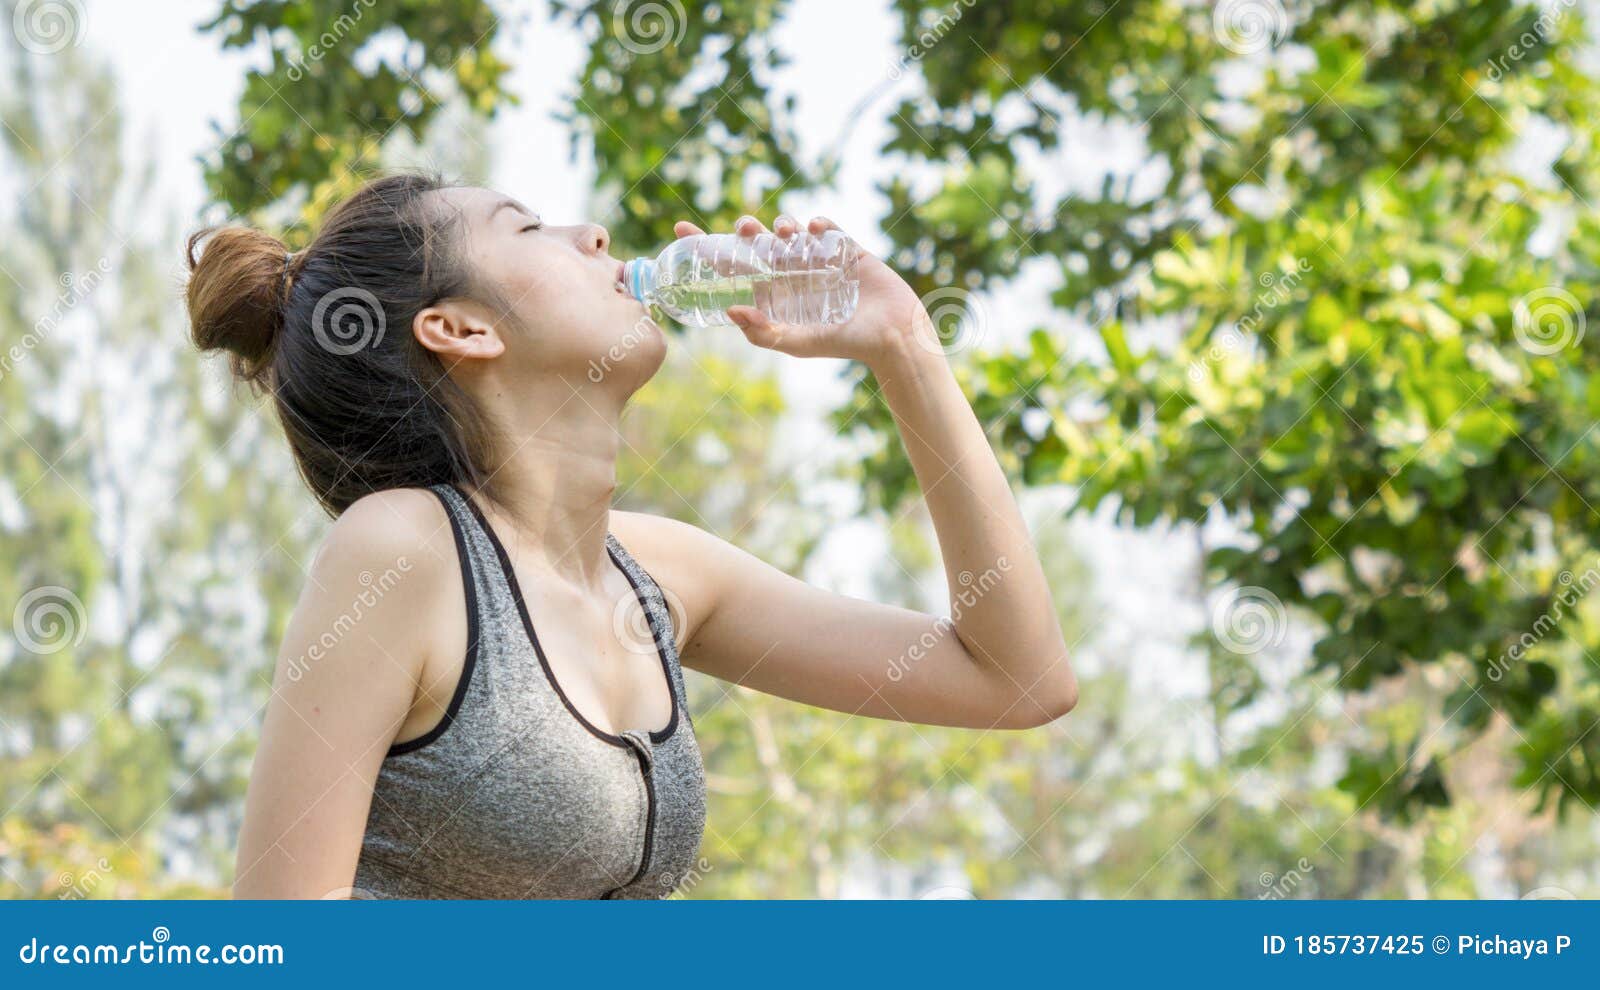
[(562, 288)]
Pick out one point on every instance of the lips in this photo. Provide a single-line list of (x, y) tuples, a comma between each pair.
[(619, 284)]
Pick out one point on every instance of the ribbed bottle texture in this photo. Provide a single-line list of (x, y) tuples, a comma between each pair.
[(805, 279)]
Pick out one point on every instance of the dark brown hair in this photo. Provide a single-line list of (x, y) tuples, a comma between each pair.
[(326, 331)]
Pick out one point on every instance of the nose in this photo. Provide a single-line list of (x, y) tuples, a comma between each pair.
[(594, 238)]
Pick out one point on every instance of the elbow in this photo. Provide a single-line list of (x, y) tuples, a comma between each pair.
[(1053, 697), (1068, 699), (1061, 700)]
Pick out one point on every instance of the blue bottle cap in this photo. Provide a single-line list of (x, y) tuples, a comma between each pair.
[(638, 277)]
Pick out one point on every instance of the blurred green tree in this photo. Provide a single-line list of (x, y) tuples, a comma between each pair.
[(1341, 305), (121, 488), (309, 152), (344, 75)]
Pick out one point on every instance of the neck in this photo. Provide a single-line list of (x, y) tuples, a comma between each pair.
[(555, 474)]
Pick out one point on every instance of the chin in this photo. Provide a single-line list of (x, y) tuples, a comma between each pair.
[(652, 354), (634, 356)]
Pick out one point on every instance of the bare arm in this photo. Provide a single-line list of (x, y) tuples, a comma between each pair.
[(997, 660), (346, 678)]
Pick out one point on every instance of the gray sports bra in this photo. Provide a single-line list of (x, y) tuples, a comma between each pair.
[(514, 793)]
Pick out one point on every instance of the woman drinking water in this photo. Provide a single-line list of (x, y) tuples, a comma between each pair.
[(455, 710)]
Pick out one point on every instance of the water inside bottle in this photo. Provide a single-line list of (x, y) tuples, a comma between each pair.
[(786, 297), (805, 280)]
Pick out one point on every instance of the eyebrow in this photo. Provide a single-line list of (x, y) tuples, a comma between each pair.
[(509, 204)]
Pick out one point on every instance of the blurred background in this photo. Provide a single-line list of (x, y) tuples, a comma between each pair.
[(1275, 310)]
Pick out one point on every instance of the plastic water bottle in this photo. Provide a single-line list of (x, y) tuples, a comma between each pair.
[(805, 279)]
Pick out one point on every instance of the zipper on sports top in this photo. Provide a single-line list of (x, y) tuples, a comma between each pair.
[(641, 750)]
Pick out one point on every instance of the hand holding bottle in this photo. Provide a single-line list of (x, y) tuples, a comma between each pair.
[(887, 317)]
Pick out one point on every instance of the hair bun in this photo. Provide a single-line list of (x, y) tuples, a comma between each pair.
[(236, 295)]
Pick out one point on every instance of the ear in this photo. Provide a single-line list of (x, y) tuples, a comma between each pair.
[(459, 329)]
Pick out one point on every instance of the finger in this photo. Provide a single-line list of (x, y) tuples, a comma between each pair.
[(797, 341), (684, 228), (749, 226), (785, 226), (818, 224), (759, 330)]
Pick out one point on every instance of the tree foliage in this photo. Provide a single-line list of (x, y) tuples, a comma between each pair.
[(1333, 326), (343, 76)]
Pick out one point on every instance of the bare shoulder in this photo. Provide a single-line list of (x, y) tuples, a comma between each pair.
[(677, 546), (650, 536), (374, 605), (388, 564), (402, 528), (690, 564)]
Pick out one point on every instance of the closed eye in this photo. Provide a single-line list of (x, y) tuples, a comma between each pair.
[(532, 226)]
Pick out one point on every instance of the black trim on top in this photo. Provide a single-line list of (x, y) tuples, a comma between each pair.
[(659, 735), (469, 664), (675, 667), (510, 572)]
